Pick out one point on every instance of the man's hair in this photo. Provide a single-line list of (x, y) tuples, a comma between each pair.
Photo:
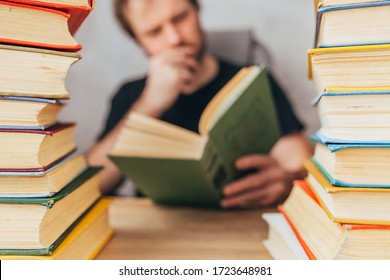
[(119, 6)]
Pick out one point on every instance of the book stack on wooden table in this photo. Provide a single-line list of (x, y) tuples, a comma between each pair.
[(341, 210), (50, 203)]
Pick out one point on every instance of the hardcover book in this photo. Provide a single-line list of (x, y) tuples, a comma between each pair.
[(47, 28), (35, 150), (173, 165), (282, 242), (355, 205), (77, 9), (28, 113), (350, 69), (43, 183), (324, 239), (36, 223), (82, 241), (353, 24), (354, 116), (353, 164), (33, 72), (325, 3)]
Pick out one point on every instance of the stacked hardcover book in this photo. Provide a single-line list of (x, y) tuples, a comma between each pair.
[(341, 210), (50, 206)]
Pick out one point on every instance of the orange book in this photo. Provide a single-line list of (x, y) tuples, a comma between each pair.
[(307, 250), (321, 238), (47, 27), (77, 9)]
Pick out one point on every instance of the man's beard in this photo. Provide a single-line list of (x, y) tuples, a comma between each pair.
[(202, 51)]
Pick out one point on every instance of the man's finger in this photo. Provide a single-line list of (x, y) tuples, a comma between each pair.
[(256, 180), (257, 161), (189, 63), (259, 198), (245, 200)]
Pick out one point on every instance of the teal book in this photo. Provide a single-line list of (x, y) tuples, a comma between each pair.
[(36, 223), (356, 165), (175, 166), (352, 24)]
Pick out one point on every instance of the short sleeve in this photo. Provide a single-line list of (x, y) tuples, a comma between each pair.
[(289, 123), (121, 103)]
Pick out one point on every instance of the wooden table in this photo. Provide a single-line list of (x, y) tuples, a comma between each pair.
[(144, 230)]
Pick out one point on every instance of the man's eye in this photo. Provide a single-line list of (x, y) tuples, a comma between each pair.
[(180, 17), (153, 32)]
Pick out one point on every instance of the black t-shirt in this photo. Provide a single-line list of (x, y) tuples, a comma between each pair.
[(187, 109)]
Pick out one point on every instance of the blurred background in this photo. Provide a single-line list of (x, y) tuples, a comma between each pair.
[(284, 28)]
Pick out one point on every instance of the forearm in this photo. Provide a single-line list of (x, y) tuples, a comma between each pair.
[(110, 176)]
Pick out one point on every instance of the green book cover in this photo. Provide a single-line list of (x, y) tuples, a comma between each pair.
[(48, 250), (48, 203), (249, 125)]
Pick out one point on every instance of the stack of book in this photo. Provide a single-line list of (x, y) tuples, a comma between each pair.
[(50, 203), (341, 210)]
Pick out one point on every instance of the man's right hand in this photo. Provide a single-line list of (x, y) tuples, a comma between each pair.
[(171, 72)]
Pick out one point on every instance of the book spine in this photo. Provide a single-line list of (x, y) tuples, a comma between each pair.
[(214, 167)]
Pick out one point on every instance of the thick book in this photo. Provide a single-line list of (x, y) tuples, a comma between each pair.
[(34, 72), (36, 223), (355, 205), (82, 241), (353, 164), (47, 28), (323, 239), (77, 9), (353, 24), (350, 69), (354, 116), (282, 243), (28, 113), (35, 150), (325, 3), (43, 183), (173, 165)]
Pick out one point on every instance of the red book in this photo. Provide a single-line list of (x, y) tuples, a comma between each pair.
[(49, 26), (77, 9), (35, 150)]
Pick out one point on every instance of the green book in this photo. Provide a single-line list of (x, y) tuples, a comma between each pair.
[(37, 225), (175, 166)]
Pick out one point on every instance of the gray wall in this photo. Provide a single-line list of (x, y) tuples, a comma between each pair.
[(110, 58)]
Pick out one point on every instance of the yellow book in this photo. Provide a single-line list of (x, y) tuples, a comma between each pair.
[(85, 241), (349, 204), (350, 69)]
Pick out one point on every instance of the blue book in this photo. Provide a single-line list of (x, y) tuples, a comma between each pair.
[(353, 164), (353, 24), (354, 116), (28, 112)]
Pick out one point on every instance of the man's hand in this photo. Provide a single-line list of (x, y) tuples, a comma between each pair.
[(267, 186), (170, 73)]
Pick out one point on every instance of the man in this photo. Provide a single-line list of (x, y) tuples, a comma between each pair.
[(182, 79)]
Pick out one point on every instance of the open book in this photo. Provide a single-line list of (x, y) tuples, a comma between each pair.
[(173, 165)]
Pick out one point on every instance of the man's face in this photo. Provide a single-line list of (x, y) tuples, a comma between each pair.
[(162, 24)]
